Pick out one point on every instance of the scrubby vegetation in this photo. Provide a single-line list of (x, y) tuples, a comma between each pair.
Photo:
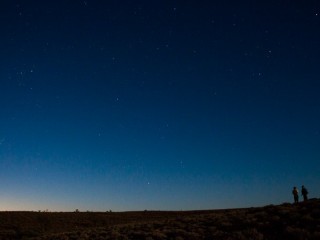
[(286, 221)]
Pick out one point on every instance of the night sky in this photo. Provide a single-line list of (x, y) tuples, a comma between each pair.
[(158, 105)]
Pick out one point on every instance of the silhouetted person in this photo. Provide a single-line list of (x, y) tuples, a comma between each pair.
[(295, 193), (304, 193)]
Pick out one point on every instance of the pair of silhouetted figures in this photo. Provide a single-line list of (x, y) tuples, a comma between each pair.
[(304, 193)]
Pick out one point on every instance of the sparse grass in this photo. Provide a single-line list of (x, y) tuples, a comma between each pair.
[(286, 221)]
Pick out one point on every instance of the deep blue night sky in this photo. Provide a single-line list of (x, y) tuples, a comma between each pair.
[(165, 105)]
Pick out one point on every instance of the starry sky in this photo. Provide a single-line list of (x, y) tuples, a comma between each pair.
[(163, 105)]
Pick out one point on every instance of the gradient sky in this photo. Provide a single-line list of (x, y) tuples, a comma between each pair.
[(164, 105)]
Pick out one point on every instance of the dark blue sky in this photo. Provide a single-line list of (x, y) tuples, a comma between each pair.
[(132, 105)]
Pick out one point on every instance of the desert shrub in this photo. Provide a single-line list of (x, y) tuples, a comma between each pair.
[(59, 237), (157, 235), (178, 225), (261, 215), (253, 234), (89, 235), (225, 224), (297, 233), (147, 226), (200, 230), (136, 234), (103, 234), (286, 204), (179, 238), (115, 234), (74, 236), (307, 220), (294, 217), (275, 218), (212, 229), (238, 235), (173, 233), (194, 235), (217, 234), (180, 232), (284, 212)]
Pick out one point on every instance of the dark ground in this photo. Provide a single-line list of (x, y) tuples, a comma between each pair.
[(286, 221)]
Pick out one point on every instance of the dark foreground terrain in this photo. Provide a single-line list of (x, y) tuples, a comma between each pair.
[(286, 221)]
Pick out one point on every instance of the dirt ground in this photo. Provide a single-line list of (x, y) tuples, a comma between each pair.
[(286, 221)]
